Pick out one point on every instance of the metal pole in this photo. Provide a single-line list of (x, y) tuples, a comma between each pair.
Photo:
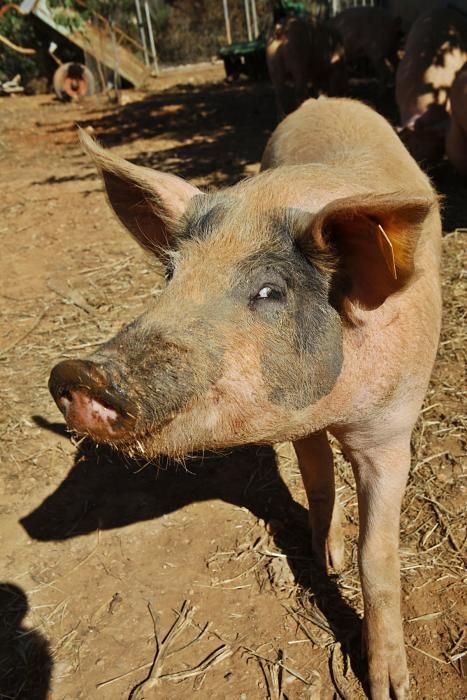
[(142, 33), (116, 67), (151, 37), (255, 19), (248, 19), (227, 22)]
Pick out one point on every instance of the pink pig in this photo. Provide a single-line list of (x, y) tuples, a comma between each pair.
[(300, 302)]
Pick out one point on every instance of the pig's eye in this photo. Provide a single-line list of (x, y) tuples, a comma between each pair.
[(269, 292)]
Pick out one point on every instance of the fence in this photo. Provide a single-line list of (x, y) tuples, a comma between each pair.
[(339, 5)]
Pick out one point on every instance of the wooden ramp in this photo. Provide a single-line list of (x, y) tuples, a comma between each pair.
[(95, 39)]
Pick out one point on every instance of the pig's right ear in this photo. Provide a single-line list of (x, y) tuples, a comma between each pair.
[(149, 203)]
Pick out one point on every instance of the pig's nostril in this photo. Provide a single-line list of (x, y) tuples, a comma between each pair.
[(66, 396), (89, 414), (63, 401), (106, 404)]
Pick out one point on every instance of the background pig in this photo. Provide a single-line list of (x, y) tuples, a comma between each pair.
[(435, 50), (303, 52), (302, 300), (456, 138), (373, 33)]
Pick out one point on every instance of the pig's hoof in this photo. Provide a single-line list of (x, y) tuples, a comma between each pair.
[(327, 537), (328, 549), (387, 671), (335, 553)]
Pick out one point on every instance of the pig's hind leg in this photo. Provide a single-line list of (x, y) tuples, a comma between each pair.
[(381, 471), (317, 468)]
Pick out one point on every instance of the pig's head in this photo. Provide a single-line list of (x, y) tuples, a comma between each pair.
[(245, 341)]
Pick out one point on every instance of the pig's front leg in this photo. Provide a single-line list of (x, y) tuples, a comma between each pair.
[(381, 473), (317, 467)]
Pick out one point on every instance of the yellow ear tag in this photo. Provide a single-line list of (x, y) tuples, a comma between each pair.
[(386, 249)]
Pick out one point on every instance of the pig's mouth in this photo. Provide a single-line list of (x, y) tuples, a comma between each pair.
[(88, 414)]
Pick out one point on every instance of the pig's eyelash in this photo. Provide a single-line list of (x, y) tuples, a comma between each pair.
[(172, 259)]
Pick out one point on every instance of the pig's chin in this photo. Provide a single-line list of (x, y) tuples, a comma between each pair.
[(206, 427), (180, 435)]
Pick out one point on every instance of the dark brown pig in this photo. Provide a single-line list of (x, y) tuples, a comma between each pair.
[(372, 33), (436, 49), (456, 138), (303, 300), (303, 52)]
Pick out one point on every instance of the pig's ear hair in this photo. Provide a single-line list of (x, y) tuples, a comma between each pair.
[(373, 240), (148, 203)]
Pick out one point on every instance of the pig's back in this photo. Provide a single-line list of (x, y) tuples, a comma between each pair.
[(351, 139)]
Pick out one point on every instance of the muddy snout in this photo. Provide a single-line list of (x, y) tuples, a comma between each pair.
[(89, 401)]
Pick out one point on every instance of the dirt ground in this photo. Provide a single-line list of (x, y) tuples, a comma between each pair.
[(101, 557)]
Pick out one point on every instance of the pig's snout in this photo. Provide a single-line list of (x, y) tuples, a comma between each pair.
[(89, 401)]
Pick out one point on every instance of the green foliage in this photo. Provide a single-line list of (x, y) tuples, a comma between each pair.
[(20, 31), (64, 13), (74, 13)]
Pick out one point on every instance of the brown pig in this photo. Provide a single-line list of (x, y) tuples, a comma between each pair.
[(456, 138), (436, 49), (373, 33), (320, 313), (303, 51)]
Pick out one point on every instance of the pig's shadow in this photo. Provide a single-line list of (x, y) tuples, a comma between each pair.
[(104, 491)]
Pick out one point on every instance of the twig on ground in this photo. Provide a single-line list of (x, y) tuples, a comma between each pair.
[(289, 670)]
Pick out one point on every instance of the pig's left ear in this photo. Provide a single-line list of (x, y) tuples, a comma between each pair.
[(148, 203), (374, 238)]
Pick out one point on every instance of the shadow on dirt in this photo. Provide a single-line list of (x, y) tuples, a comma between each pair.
[(53, 180), (222, 129), (25, 659), (103, 491)]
